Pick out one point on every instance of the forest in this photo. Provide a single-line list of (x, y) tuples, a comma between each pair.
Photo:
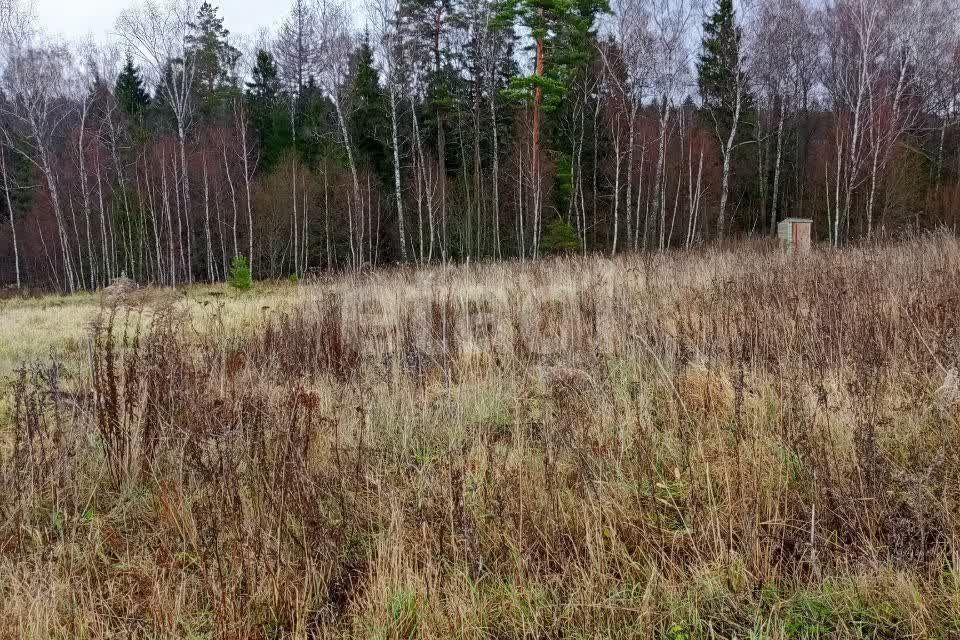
[(349, 136)]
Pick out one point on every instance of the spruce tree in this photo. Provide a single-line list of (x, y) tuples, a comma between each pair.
[(560, 238), (722, 80), (315, 115), (720, 66), (268, 112), (265, 81), (369, 120), (129, 91)]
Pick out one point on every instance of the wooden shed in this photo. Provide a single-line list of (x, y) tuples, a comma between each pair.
[(795, 234)]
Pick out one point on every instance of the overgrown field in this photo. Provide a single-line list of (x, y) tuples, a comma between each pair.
[(704, 445)]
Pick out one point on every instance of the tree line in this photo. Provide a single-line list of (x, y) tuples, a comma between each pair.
[(454, 130)]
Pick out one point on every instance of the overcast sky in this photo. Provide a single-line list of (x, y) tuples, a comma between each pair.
[(76, 18)]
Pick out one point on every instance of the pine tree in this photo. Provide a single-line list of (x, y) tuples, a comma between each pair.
[(562, 31), (131, 95), (215, 58), (426, 25)]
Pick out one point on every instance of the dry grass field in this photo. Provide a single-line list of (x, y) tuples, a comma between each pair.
[(36, 328), (722, 444)]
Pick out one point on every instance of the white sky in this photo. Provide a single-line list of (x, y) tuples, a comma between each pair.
[(77, 18)]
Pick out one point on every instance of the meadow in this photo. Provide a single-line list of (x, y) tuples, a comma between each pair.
[(721, 443)]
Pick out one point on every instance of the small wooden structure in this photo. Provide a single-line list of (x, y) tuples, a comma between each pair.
[(795, 234)]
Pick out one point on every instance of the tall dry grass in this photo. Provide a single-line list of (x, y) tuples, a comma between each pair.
[(715, 445)]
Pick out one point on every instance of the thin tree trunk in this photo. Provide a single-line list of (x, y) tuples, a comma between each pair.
[(640, 199), (628, 203), (58, 214), (616, 188), (777, 161), (186, 254), (658, 175), (233, 199), (401, 235), (166, 207), (85, 195), (185, 181), (356, 182), (10, 212), (727, 158), (593, 196), (211, 275), (104, 249), (295, 229), (535, 150), (326, 218), (153, 219), (121, 176), (246, 182), (496, 175)]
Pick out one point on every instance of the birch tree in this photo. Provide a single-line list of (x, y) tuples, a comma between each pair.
[(336, 46), (670, 23), (386, 37), (34, 81), (636, 49), (158, 31), (853, 37), (782, 65), (16, 22)]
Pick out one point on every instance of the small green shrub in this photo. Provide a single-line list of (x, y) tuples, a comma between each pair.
[(560, 237), (240, 277)]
